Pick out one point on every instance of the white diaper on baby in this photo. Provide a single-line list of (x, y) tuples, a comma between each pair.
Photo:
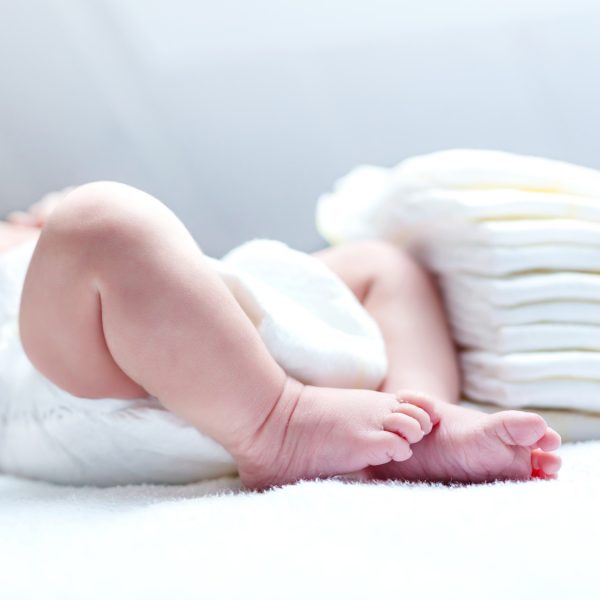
[(308, 318)]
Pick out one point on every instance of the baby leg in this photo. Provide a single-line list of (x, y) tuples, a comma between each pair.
[(404, 301), (119, 302)]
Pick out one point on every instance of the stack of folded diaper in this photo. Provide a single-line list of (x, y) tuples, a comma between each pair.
[(515, 241)]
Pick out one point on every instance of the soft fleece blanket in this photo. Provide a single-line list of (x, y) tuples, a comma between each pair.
[(325, 539)]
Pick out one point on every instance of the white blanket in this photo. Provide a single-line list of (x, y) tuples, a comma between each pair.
[(514, 541)]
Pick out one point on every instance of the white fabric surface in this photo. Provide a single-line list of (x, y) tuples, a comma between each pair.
[(578, 395), (502, 541), (482, 314), (529, 337), (533, 366), (310, 321), (455, 186), (525, 289), (478, 169), (500, 261), (535, 379), (521, 232), (484, 202)]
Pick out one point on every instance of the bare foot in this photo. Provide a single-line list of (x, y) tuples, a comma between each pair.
[(319, 432), (472, 446)]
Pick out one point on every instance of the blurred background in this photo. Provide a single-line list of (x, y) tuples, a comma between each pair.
[(239, 113)]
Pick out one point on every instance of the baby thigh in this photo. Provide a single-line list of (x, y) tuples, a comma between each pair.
[(60, 318)]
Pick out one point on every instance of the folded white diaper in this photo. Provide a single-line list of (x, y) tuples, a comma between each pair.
[(523, 289), (499, 261), (499, 232), (441, 206), (455, 184), (528, 338), (308, 318), (550, 311), (577, 394), (493, 169), (482, 317), (533, 366), (515, 241), (510, 232), (534, 379)]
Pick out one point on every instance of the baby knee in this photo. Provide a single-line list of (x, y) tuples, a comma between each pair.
[(103, 212)]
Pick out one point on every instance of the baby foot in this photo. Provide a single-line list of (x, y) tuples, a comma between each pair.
[(472, 446), (319, 432)]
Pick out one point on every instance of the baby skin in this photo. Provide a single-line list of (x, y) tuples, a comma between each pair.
[(120, 302)]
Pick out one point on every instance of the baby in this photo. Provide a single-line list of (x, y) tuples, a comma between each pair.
[(161, 322)]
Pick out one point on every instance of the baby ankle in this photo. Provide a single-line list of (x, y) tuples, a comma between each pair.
[(263, 445)]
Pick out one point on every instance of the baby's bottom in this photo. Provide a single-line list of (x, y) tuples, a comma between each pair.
[(120, 302)]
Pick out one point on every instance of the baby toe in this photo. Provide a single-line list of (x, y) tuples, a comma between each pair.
[(418, 414), (544, 464), (386, 447), (403, 425), (549, 441), (517, 428), (422, 401)]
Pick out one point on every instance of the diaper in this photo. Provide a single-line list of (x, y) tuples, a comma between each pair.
[(528, 338), (479, 316), (552, 393), (524, 289), (493, 169), (532, 366), (549, 311), (310, 321), (505, 261), (442, 189)]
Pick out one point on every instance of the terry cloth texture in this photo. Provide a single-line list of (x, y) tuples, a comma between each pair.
[(320, 539)]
